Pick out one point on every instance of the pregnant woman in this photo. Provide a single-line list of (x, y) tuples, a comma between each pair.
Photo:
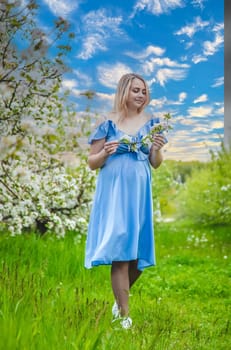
[(120, 230)]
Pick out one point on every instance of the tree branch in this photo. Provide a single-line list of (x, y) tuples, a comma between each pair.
[(9, 189)]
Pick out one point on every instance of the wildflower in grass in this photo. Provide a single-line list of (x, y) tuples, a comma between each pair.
[(225, 188)]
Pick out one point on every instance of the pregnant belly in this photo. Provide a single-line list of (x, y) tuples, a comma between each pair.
[(126, 166)]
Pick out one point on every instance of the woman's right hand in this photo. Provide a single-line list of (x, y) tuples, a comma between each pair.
[(110, 147), (100, 151)]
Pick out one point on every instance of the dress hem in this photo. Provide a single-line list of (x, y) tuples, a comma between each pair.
[(101, 263)]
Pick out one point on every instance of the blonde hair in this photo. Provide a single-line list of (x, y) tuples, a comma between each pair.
[(121, 96)]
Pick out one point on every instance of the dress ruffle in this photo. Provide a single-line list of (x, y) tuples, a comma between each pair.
[(100, 132)]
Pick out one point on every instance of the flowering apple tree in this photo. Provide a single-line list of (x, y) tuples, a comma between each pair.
[(44, 182)]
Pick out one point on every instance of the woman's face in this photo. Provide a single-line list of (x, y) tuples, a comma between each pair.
[(137, 94)]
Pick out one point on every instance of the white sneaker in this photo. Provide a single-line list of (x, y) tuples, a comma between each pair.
[(115, 310), (126, 323)]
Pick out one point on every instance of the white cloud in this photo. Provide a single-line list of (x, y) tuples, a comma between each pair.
[(182, 135), (200, 129), (200, 112), (211, 47), (158, 103), (157, 7), (60, 7), (99, 27), (106, 102), (150, 82), (109, 75), (193, 144), (219, 104), (156, 50), (187, 154), (192, 28), (163, 101), (202, 98), (83, 79), (218, 27), (199, 58), (216, 136), (218, 82), (182, 96), (69, 83), (105, 97), (198, 3), (185, 121), (75, 92), (93, 42), (214, 144), (184, 58), (217, 125), (188, 45), (151, 65), (101, 21), (165, 74), (219, 111)]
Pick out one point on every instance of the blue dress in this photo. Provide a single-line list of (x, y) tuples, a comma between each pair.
[(121, 220)]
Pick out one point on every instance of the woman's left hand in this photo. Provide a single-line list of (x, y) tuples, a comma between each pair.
[(158, 142)]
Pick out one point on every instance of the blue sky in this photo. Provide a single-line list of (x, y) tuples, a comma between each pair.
[(176, 45)]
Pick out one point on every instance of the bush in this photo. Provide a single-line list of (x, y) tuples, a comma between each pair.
[(206, 196), (167, 181)]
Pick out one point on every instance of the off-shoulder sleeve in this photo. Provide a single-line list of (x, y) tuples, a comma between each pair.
[(100, 132)]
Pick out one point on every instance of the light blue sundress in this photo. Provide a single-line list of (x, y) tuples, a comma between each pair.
[(121, 220)]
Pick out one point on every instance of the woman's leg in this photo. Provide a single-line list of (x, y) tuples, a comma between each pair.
[(133, 271), (120, 284)]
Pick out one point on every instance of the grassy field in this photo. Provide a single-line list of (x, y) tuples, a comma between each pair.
[(49, 301)]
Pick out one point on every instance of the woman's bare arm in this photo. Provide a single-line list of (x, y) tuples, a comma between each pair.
[(100, 151), (156, 156)]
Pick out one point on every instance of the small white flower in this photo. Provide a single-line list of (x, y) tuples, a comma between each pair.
[(225, 188), (125, 139), (81, 221)]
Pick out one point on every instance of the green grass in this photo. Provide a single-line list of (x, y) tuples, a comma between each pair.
[(49, 301)]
